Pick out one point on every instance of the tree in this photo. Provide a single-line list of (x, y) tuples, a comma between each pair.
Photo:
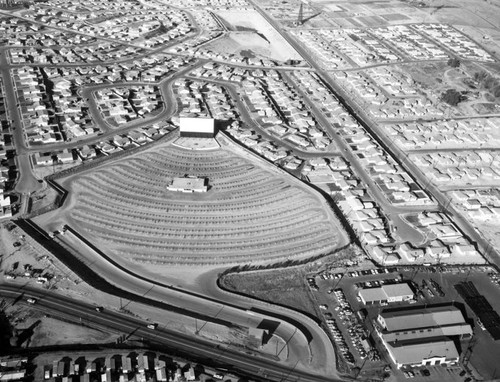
[(454, 62), (452, 97)]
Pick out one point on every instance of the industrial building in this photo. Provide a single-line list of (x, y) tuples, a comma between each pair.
[(422, 336), (197, 127), (423, 353), (386, 294), (423, 317)]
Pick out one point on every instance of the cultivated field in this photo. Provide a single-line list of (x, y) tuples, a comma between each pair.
[(249, 214)]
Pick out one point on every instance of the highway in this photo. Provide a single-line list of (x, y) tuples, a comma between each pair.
[(78, 312), (309, 348)]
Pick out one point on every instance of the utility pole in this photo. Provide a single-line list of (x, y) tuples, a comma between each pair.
[(300, 18)]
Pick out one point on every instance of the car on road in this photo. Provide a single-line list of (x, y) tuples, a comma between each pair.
[(152, 326), (99, 309), (31, 300)]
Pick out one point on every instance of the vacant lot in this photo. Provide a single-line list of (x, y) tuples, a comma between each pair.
[(287, 286), (24, 327), (250, 20), (282, 286)]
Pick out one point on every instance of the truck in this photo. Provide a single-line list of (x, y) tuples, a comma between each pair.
[(31, 300)]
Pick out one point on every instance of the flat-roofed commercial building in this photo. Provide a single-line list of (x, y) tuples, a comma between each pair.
[(386, 293), (188, 184), (423, 353), (197, 127), (422, 336)]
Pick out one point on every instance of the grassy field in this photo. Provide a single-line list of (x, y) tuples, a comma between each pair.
[(282, 286), (285, 286)]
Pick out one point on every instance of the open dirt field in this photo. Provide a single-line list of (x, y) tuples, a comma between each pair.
[(269, 42), (434, 79), (249, 214), (248, 44), (24, 327)]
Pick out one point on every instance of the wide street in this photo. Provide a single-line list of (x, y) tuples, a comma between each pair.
[(27, 182), (443, 201)]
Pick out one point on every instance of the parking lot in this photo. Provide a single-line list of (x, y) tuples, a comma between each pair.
[(337, 295)]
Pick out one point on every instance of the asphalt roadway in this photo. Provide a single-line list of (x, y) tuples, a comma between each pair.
[(27, 181), (82, 313)]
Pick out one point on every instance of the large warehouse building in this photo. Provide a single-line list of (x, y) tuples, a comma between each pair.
[(197, 127), (422, 336)]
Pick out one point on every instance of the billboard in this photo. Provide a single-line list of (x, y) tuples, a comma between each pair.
[(197, 125)]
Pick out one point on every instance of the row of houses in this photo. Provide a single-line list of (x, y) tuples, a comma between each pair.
[(119, 105), (446, 134), (344, 48), (126, 27), (372, 96), (135, 367), (117, 143), (5, 163), (13, 368)]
